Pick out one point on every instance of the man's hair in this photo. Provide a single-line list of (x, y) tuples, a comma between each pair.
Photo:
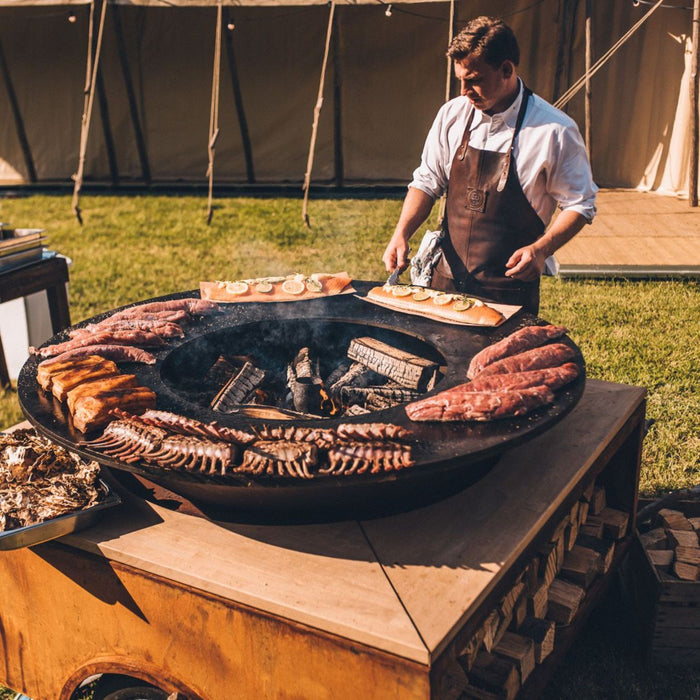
[(488, 37)]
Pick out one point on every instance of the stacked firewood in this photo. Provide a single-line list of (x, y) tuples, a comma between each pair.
[(521, 631), (672, 545)]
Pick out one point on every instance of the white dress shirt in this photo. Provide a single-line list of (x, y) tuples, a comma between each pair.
[(550, 155)]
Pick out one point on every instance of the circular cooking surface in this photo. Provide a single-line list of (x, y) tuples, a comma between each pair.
[(448, 456)]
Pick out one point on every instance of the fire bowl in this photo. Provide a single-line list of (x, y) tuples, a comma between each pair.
[(448, 456)]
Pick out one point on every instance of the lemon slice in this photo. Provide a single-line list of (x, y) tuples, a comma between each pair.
[(421, 296), (442, 299), (236, 288), (463, 304), (293, 286), (263, 287), (314, 285), (401, 291)]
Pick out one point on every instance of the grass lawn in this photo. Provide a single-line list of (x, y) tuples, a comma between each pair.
[(641, 333)]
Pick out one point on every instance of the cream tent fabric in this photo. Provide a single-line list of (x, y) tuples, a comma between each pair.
[(385, 81)]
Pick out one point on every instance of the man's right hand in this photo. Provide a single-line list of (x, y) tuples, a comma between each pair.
[(415, 210), (396, 254)]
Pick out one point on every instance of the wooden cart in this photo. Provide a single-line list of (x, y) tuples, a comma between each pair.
[(384, 608)]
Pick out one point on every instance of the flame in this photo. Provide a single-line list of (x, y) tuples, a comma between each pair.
[(327, 403)]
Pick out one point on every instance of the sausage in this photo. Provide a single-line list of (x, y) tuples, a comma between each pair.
[(552, 355), (130, 337), (164, 329), (117, 353), (517, 342), (192, 305), (450, 406)]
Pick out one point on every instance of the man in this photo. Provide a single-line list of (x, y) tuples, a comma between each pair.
[(507, 159)]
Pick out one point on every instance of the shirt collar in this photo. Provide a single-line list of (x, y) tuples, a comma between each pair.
[(508, 116)]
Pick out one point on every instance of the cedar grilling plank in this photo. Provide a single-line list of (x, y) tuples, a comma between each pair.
[(542, 357), (448, 406), (517, 342)]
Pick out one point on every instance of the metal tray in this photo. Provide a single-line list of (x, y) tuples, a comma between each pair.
[(59, 526)]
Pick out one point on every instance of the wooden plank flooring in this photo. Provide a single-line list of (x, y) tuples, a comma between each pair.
[(640, 233)]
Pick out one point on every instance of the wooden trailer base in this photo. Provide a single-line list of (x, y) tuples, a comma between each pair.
[(409, 606)]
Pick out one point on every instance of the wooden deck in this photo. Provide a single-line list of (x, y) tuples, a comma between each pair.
[(636, 234)]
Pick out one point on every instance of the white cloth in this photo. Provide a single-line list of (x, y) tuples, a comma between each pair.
[(550, 155)]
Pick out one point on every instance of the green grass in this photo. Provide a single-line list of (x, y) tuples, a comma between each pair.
[(640, 333)]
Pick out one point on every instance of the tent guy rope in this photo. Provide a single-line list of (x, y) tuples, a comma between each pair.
[(581, 82)]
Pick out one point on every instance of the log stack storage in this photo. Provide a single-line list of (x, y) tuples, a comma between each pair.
[(663, 575)]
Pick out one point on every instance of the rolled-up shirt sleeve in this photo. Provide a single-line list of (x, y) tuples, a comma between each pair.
[(570, 181), (432, 174)]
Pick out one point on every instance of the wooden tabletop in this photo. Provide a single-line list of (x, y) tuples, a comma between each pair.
[(404, 584)]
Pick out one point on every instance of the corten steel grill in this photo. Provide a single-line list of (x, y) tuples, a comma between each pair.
[(448, 456)]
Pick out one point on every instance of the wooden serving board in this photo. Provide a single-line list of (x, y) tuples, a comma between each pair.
[(429, 310), (331, 284)]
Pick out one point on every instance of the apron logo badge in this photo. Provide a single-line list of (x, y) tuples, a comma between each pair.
[(476, 199)]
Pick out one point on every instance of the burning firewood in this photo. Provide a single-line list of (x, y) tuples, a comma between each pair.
[(238, 389), (305, 383), (405, 368)]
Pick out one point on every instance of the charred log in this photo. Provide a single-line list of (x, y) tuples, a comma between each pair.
[(408, 370), (377, 397), (305, 383), (239, 389)]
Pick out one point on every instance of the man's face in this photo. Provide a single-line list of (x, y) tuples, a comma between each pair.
[(489, 89)]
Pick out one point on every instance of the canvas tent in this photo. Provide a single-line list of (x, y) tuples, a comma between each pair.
[(384, 82)]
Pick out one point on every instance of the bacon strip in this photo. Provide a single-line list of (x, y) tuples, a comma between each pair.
[(517, 342), (538, 358), (486, 406)]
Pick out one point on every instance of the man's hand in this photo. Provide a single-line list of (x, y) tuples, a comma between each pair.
[(415, 210), (396, 254), (526, 264)]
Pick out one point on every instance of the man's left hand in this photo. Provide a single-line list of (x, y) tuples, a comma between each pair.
[(526, 264)]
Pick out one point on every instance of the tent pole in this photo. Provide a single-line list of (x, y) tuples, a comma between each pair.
[(337, 107), (450, 35), (238, 100), (107, 129), (131, 96), (17, 115), (317, 114), (587, 108), (91, 80), (693, 184), (448, 85), (214, 113)]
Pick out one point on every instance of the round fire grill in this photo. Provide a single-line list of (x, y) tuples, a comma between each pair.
[(448, 456)]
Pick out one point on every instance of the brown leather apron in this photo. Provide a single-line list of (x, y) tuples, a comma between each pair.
[(488, 218)]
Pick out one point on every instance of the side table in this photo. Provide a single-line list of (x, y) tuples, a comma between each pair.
[(51, 275)]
